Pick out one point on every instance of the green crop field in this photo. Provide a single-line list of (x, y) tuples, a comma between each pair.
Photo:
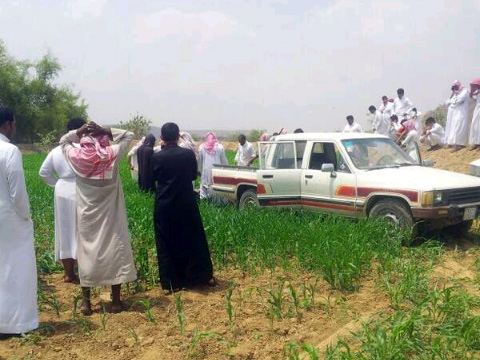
[(425, 316)]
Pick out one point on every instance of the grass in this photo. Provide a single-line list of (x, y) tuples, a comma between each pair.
[(339, 250), (425, 320)]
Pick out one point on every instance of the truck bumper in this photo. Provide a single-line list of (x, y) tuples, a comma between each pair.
[(441, 216)]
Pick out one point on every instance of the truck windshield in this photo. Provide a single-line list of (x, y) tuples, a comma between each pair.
[(371, 154)]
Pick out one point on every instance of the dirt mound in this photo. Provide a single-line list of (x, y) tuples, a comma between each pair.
[(453, 161)]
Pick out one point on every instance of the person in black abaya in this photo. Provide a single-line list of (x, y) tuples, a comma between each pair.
[(182, 248), (144, 156)]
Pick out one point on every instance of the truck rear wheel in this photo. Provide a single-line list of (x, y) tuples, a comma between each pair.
[(248, 199), (396, 212)]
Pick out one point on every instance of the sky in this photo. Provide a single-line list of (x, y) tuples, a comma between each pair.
[(233, 64)]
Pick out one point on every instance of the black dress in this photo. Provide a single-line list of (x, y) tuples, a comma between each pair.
[(145, 175), (182, 248)]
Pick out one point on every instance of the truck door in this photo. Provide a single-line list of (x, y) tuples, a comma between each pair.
[(278, 179), (327, 183)]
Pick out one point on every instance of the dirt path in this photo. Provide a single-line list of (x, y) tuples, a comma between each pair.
[(130, 335)]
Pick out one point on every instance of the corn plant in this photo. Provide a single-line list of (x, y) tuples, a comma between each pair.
[(180, 314), (295, 300), (49, 300), (294, 350), (147, 306), (103, 318), (133, 334), (229, 307), (197, 337)]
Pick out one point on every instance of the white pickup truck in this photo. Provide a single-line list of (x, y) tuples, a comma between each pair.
[(354, 175)]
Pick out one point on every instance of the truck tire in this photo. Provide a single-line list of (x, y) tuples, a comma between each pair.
[(460, 229), (248, 199), (395, 211)]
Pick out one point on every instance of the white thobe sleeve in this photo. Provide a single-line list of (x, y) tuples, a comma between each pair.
[(67, 140), (408, 104), (121, 141), (16, 184), (133, 151), (359, 128), (47, 171)]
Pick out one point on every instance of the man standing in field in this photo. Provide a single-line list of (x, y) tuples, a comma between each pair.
[(245, 152), (56, 172), (18, 272), (352, 126), (456, 133), (182, 248), (104, 251)]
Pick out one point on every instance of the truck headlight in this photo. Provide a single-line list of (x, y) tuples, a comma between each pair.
[(432, 198)]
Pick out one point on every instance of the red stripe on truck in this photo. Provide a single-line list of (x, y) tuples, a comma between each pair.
[(363, 192), (221, 180)]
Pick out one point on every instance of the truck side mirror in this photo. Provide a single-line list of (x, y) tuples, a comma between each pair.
[(328, 168)]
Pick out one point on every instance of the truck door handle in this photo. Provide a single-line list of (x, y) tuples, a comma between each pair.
[(308, 176), (267, 176)]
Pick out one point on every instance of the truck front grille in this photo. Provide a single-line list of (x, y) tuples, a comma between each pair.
[(462, 196)]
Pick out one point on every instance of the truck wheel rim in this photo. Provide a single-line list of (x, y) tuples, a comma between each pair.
[(393, 219), (250, 202)]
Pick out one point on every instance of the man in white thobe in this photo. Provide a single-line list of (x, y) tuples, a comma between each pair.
[(133, 160), (352, 126), (57, 173), (394, 127), (456, 132), (245, 152), (434, 135), (386, 108), (402, 105), (18, 272), (380, 125), (475, 126)]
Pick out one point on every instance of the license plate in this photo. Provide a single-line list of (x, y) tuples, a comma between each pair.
[(469, 213)]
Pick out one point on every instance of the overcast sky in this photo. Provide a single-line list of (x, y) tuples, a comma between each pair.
[(231, 64)]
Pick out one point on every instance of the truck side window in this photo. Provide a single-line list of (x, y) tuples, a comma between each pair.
[(327, 153), (280, 156)]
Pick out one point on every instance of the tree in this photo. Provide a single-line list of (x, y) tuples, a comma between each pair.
[(40, 106), (139, 125), (254, 135)]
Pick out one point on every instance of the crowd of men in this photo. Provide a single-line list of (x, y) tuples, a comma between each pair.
[(400, 120), (91, 226)]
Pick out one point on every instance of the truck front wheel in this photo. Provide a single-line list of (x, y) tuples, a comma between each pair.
[(248, 199), (394, 211)]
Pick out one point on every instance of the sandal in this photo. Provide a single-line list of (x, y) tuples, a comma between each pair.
[(118, 309), (86, 309)]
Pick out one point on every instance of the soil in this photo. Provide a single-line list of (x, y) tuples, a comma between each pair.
[(208, 333)]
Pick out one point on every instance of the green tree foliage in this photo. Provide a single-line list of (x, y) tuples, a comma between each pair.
[(138, 124), (254, 135), (41, 107)]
